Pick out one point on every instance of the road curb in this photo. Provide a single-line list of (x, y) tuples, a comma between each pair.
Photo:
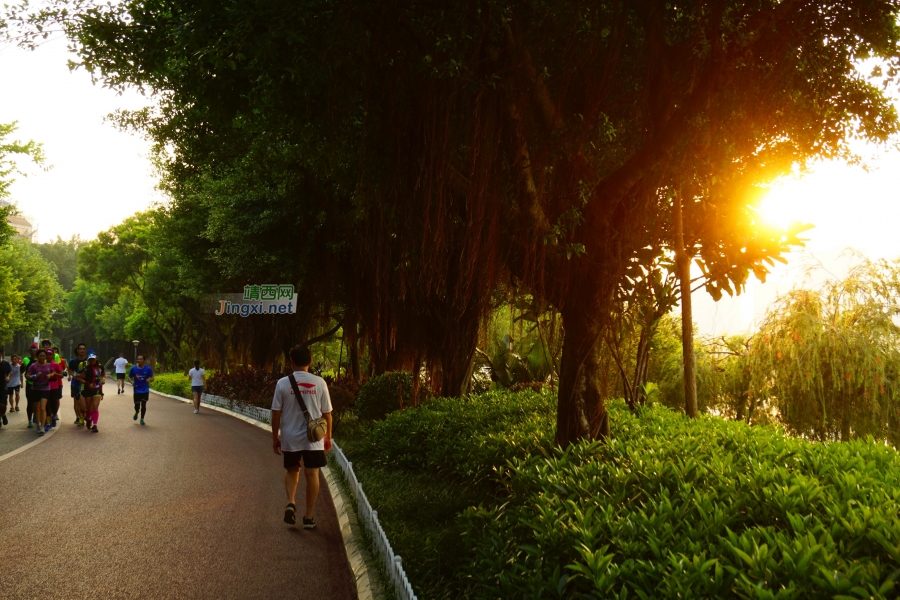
[(367, 587), (35, 442)]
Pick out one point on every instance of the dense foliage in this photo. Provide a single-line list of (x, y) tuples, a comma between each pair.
[(552, 143), (827, 361), (670, 508), (384, 394)]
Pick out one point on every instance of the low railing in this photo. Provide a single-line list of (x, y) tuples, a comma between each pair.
[(392, 564), (254, 412)]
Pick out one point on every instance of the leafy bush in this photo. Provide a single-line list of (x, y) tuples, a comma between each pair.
[(244, 385), (678, 508), (669, 507), (174, 384), (384, 394), (470, 437), (254, 387)]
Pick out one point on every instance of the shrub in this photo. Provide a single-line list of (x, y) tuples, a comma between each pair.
[(384, 394), (679, 508), (244, 385), (174, 384), (668, 508), (254, 387), (472, 437)]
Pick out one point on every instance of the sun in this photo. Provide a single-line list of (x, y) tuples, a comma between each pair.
[(788, 202)]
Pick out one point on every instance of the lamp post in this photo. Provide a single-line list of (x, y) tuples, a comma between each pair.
[(135, 342), (70, 348)]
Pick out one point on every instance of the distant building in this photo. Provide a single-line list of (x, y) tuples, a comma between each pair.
[(24, 225)]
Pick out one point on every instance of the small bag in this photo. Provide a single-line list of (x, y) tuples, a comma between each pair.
[(315, 428)]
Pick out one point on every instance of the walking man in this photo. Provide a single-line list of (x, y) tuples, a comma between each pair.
[(5, 372), (140, 376), (289, 421), (121, 364)]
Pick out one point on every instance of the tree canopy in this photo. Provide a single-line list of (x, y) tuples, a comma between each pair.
[(400, 161)]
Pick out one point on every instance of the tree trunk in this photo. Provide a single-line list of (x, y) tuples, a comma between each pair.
[(687, 322), (458, 362), (581, 413)]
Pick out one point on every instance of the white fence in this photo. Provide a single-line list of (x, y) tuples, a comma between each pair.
[(254, 412), (390, 561)]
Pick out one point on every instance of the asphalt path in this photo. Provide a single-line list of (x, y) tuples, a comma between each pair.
[(186, 506)]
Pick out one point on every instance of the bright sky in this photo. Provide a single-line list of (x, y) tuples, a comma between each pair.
[(100, 176)]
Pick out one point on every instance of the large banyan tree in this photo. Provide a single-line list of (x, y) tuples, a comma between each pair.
[(451, 146)]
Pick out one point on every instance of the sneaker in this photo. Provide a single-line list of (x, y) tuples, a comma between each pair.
[(30, 424), (142, 421), (79, 422), (196, 412), (308, 523), (40, 431), (87, 423), (53, 423), (47, 427), (134, 418), (94, 429), (290, 514)]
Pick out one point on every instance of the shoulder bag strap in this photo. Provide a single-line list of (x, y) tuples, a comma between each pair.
[(299, 399)]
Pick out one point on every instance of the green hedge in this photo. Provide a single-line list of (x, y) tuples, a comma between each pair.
[(174, 384), (669, 508)]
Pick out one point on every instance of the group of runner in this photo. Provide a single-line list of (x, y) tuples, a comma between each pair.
[(43, 372)]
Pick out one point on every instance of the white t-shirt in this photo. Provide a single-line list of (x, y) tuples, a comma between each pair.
[(121, 363), (293, 423), (196, 376)]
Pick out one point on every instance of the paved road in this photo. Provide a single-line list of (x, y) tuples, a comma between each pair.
[(187, 506)]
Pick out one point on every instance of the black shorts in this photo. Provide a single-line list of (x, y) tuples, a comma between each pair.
[(120, 375), (141, 396), (56, 394), (38, 395), (311, 459), (10, 390), (76, 392)]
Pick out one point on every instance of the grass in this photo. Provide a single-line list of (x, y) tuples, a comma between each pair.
[(417, 511)]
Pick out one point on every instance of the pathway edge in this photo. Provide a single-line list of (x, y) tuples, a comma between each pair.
[(35, 442), (367, 587)]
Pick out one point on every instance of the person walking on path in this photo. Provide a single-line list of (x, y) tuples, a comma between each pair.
[(92, 389), (141, 376), (289, 432), (5, 372), (121, 366), (29, 384), (76, 367), (15, 382), (41, 373), (198, 384), (55, 384)]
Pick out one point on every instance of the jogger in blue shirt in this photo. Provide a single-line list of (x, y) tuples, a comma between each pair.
[(140, 377)]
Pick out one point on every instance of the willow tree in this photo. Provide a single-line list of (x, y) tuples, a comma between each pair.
[(829, 360), (533, 139)]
